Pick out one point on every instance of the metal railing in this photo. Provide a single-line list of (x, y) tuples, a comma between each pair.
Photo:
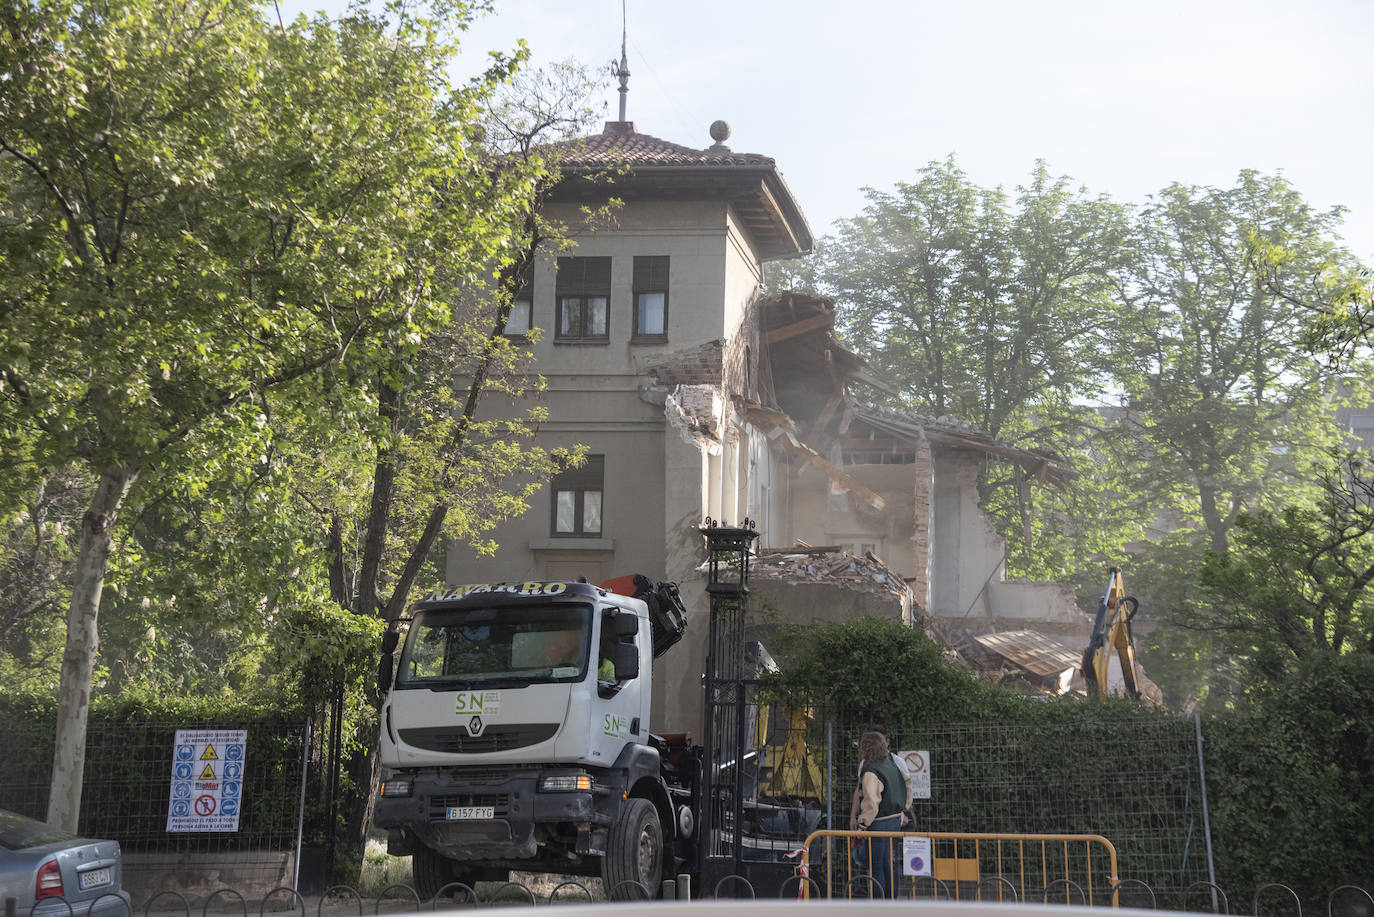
[(1045, 868)]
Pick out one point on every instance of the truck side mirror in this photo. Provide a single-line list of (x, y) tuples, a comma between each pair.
[(626, 660), (624, 625), (385, 668)]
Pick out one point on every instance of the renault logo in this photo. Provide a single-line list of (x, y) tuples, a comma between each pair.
[(475, 726)]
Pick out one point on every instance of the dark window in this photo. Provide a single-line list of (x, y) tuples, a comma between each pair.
[(521, 318), (577, 499), (651, 298), (584, 298)]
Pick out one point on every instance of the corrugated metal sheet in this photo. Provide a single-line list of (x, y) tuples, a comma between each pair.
[(1033, 651)]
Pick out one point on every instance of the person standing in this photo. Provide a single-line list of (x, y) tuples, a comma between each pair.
[(883, 797), (901, 766)]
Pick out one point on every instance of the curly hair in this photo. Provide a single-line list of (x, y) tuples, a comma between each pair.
[(873, 746)]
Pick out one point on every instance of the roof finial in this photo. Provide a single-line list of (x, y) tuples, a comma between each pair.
[(624, 72)]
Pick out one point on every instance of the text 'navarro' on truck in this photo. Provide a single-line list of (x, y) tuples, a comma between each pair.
[(515, 735)]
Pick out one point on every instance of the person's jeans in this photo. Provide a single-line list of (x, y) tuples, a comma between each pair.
[(880, 855)]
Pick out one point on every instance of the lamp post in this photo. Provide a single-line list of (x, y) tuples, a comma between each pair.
[(728, 550)]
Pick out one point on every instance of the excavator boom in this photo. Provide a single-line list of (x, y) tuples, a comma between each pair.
[(1111, 629)]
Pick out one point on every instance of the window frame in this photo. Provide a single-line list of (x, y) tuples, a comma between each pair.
[(582, 279), (651, 275), (590, 478)]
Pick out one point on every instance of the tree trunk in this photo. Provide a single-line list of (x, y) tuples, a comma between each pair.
[(365, 766), (338, 576), (1218, 531), (78, 661), (379, 517)]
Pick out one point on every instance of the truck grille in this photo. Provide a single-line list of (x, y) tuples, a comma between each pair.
[(455, 740)]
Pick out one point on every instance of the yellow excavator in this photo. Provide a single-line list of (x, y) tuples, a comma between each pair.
[(1112, 628)]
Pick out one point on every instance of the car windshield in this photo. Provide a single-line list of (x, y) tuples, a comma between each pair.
[(484, 646), (18, 832)]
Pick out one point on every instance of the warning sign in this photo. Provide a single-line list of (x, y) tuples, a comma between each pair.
[(916, 856), (200, 800), (918, 766)]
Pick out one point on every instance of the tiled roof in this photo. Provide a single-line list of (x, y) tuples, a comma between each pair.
[(620, 144), (949, 424)]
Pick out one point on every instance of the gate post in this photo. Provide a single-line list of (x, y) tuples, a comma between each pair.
[(728, 549)]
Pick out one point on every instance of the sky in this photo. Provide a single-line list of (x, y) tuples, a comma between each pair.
[(1123, 97)]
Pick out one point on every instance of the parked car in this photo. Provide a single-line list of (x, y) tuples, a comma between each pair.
[(42, 867)]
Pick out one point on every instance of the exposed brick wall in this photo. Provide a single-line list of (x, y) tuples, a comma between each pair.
[(701, 400), (732, 367), (699, 365)]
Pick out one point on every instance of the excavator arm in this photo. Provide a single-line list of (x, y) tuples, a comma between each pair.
[(1111, 629)]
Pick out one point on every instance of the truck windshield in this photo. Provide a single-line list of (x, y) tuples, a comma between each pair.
[(484, 645)]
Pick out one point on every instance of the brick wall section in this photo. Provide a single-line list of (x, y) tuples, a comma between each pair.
[(734, 366), (920, 537), (699, 365), (703, 408)]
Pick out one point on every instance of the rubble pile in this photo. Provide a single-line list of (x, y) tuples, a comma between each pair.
[(829, 565)]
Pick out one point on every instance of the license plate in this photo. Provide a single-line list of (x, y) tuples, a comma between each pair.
[(94, 878), (468, 813)]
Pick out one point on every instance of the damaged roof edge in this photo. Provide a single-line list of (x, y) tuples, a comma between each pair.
[(1044, 466)]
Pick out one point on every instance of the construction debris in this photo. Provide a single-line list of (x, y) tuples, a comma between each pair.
[(1046, 663), (828, 564)]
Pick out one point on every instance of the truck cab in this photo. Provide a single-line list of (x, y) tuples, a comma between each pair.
[(515, 734)]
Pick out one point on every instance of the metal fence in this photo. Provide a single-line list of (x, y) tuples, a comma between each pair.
[(1137, 783), (1030, 868), (128, 795)]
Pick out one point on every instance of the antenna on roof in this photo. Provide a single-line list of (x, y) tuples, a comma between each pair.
[(623, 73)]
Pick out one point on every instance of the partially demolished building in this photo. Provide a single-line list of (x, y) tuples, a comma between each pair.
[(699, 397)]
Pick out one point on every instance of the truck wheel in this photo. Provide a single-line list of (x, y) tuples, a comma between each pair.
[(430, 871), (634, 852)]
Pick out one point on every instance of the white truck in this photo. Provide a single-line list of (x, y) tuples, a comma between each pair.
[(515, 735)]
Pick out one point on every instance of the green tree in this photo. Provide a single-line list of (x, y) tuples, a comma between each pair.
[(444, 473), (458, 468), (37, 552), (1228, 403), (976, 306), (1296, 584), (876, 670), (209, 220)]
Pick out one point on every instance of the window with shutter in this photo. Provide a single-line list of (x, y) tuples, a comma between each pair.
[(577, 499), (583, 295), (651, 298)]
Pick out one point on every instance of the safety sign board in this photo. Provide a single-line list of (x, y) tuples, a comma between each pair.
[(207, 779), (918, 766), (916, 854)]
